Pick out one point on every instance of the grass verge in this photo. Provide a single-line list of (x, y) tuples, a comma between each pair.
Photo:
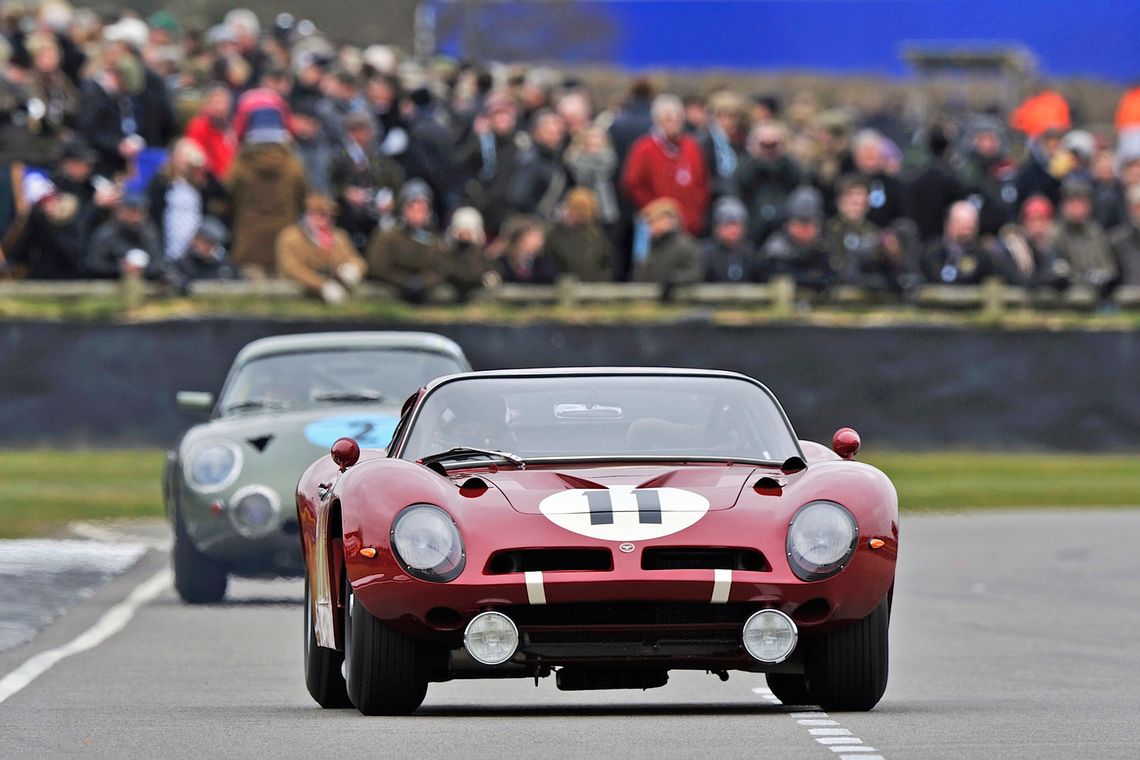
[(45, 489)]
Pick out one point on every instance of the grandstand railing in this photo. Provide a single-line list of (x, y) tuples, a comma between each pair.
[(780, 296)]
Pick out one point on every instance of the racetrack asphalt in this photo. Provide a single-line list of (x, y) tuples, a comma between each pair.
[(1013, 636)]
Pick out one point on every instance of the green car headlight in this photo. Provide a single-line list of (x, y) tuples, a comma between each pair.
[(212, 465)]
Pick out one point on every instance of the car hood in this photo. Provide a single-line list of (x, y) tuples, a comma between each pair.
[(592, 488), (277, 447)]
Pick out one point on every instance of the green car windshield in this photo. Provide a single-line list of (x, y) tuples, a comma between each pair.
[(312, 379), (604, 417)]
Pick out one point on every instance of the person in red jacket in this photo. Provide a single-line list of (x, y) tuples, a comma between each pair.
[(210, 128), (668, 163)]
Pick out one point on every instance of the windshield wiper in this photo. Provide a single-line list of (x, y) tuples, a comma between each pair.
[(257, 403), (361, 394), (466, 452)]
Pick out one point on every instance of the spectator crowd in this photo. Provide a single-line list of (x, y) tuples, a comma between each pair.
[(138, 145)]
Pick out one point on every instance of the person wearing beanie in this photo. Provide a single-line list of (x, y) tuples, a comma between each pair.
[(318, 254), (674, 257), (267, 187), (798, 249), (728, 255), (205, 259), (576, 243), (410, 256), (1029, 247), (1081, 242), (128, 240)]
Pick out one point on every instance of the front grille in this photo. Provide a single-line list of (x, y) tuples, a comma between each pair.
[(547, 560), (630, 629), (702, 558), (590, 614)]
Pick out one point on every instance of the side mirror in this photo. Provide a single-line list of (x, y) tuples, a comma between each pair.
[(195, 401), (845, 443), (345, 453)]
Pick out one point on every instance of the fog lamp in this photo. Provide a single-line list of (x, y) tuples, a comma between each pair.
[(770, 636), (491, 638)]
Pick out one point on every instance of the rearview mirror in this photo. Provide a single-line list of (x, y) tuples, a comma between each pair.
[(195, 401)]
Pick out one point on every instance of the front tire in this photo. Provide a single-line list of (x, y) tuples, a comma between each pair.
[(197, 578), (384, 669), (847, 669), (323, 677), (789, 688)]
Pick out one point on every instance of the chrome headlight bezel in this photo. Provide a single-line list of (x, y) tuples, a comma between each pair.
[(271, 497), (198, 450), (808, 570), (453, 559)]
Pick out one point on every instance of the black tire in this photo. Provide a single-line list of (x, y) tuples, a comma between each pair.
[(847, 669), (789, 688), (323, 677), (197, 578), (384, 668)]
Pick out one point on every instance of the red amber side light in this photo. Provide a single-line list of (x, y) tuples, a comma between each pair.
[(345, 453), (846, 443)]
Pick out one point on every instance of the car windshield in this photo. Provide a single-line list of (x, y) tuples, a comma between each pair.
[(313, 379), (604, 416)]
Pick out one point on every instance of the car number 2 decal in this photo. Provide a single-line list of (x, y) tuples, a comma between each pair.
[(370, 431), (624, 513)]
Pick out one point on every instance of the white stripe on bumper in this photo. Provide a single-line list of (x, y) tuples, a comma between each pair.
[(535, 591), (722, 584)]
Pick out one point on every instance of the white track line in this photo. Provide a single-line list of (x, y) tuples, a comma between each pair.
[(112, 621), (826, 731)]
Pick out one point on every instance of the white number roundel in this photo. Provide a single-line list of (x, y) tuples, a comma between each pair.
[(624, 513)]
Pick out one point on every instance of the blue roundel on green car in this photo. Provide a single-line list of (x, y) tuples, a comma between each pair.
[(371, 431)]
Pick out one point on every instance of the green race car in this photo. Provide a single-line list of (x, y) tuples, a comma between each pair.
[(230, 484)]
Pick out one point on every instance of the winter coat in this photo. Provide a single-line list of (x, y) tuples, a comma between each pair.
[(1125, 241), (538, 182), (52, 245), (410, 260), (809, 265), (267, 187), (740, 263), (930, 194), (300, 258), (191, 268), (1085, 247), (673, 258), (583, 251), (656, 168), (764, 187), (111, 242)]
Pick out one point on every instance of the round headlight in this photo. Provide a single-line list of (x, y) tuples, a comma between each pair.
[(491, 638), (820, 540), (427, 543), (770, 636), (254, 510), (212, 466)]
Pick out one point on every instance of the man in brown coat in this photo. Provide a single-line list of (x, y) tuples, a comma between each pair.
[(411, 257), (319, 255), (267, 186)]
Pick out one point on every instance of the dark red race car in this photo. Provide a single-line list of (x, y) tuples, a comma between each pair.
[(603, 525)]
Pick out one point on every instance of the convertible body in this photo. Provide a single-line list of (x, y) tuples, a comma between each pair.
[(602, 525)]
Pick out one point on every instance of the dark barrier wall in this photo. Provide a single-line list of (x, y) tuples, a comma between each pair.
[(114, 385)]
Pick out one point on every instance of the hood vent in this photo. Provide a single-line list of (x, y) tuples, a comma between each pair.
[(260, 443)]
